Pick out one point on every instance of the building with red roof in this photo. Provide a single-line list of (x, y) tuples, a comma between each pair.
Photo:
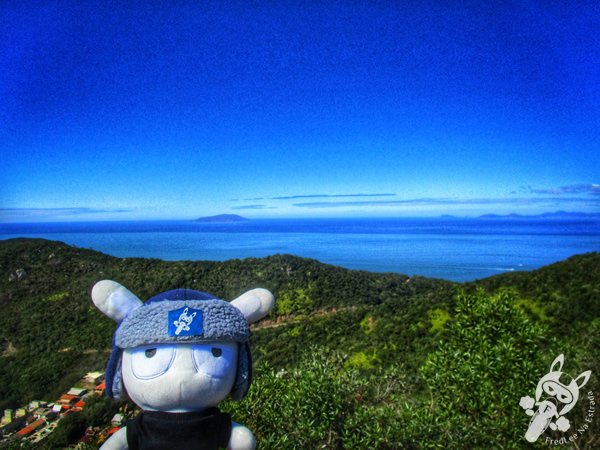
[(31, 427), (68, 399), (100, 388)]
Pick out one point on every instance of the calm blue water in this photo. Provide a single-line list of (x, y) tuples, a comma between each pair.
[(454, 249)]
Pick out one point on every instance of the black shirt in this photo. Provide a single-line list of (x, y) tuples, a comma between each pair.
[(157, 430)]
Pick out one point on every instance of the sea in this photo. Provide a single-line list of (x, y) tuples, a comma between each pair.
[(449, 248)]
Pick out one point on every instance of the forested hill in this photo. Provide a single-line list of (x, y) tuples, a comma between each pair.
[(565, 294), (50, 332), (376, 360), (53, 266)]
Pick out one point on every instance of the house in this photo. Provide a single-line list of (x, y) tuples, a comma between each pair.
[(31, 427), (25, 431), (68, 399), (39, 412), (93, 378), (79, 392), (7, 417), (117, 420), (100, 388), (51, 414), (35, 404), (12, 427), (78, 406)]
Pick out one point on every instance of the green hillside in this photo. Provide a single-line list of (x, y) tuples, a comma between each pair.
[(348, 359)]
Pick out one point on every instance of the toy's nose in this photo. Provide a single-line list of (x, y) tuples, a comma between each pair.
[(184, 361), (183, 369)]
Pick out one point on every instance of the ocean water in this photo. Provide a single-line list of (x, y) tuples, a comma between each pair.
[(453, 249)]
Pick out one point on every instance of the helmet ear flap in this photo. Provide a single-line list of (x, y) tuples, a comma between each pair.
[(243, 378), (113, 377)]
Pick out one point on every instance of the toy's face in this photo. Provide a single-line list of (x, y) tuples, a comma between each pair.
[(179, 378), (565, 394)]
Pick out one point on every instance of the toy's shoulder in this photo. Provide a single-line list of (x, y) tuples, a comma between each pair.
[(117, 441), (241, 438)]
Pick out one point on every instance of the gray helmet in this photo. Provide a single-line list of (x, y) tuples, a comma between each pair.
[(181, 316)]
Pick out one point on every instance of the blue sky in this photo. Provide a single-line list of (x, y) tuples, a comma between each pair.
[(346, 109)]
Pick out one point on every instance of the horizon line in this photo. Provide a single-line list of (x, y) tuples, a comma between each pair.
[(548, 214)]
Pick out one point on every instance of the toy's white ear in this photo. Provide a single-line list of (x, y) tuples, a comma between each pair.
[(254, 304), (583, 378), (114, 300), (557, 363)]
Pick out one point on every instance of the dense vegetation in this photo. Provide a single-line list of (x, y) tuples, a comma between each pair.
[(348, 359)]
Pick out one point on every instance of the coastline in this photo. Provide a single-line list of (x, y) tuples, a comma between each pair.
[(454, 249)]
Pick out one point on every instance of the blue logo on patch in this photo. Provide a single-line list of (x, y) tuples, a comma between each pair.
[(185, 321)]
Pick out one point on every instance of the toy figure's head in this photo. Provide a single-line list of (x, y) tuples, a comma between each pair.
[(554, 385), (182, 350)]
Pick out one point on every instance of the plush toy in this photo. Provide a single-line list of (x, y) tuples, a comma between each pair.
[(177, 356)]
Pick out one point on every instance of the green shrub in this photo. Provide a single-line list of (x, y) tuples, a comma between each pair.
[(492, 356), (303, 407)]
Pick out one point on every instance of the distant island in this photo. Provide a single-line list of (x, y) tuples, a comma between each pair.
[(549, 215), (222, 218)]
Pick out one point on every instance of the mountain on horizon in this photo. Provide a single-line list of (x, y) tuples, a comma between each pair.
[(547, 215), (222, 218)]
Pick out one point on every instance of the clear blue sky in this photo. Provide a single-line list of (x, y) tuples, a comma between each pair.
[(186, 109)]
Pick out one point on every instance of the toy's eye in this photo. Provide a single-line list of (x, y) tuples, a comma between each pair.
[(215, 361), (150, 362), (559, 392)]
